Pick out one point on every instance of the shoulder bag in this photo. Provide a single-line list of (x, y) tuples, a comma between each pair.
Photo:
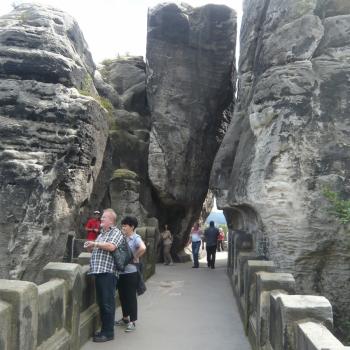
[(122, 255)]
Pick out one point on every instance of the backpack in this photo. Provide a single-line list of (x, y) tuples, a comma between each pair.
[(122, 255)]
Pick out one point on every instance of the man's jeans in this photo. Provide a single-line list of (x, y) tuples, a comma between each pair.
[(105, 293), (211, 252), (195, 252)]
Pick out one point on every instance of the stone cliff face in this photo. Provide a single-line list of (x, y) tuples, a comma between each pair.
[(53, 136), (289, 137), (189, 85), (129, 190)]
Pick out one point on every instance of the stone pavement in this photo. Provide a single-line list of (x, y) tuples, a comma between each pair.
[(184, 309)]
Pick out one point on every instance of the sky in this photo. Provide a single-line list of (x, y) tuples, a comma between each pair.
[(113, 27)]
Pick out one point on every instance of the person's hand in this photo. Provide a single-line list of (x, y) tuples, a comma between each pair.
[(89, 244), (96, 229)]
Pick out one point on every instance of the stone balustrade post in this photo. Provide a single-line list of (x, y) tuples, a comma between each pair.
[(72, 275), (84, 259), (5, 325), (289, 310), (250, 270), (242, 242), (266, 283), (242, 259), (23, 314), (316, 336), (230, 252)]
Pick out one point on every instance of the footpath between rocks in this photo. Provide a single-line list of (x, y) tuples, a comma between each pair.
[(184, 308)]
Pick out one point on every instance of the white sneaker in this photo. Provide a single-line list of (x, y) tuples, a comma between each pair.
[(130, 327)]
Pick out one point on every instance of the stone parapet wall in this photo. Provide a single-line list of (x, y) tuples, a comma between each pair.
[(50, 315), (61, 313), (274, 317)]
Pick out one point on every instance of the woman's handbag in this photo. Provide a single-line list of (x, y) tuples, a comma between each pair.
[(122, 255), (141, 287)]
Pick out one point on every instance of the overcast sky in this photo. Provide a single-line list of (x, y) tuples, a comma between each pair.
[(114, 26)]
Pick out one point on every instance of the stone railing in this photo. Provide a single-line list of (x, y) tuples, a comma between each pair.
[(62, 312), (274, 317)]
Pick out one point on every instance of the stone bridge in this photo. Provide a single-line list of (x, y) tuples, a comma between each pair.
[(182, 308)]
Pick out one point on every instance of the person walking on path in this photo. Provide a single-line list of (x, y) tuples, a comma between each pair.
[(92, 226), (103, 268), (211, 235), (128, 279), (221, 239), (195, 238), (167, 239)]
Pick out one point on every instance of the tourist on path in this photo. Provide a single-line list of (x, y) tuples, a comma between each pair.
[(167, 239), (221, 239), (127, 283), (92, 226), (196, 239), (103, 268), (211, 235)]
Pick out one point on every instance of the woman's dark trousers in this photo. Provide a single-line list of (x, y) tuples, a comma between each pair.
[(127, 284), (195, 253), (105, 284)]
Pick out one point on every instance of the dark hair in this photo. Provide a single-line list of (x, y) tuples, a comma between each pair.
[(130, 220), (211, 223)]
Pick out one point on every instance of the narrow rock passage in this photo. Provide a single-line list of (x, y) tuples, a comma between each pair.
[(185, 309)]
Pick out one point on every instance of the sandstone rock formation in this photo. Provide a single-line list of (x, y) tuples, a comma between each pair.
[(53, 136), (289, 137), (128, 191), (207, 206), (190, 63)]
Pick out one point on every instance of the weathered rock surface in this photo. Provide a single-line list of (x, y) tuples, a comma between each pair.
[(289, 138), (128, 190), (52, 137), (189, 85), (207, 206)]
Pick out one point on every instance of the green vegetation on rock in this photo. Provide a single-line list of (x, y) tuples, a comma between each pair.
[(86, 90), (124, 174), (340, 208), (105, 103), (86, 85)]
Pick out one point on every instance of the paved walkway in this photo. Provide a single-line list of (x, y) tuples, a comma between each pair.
[(186, 309)]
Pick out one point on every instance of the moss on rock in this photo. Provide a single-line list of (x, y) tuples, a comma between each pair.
[(124, 174)]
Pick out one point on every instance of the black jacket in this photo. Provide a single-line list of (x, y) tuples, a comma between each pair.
[(211, 235)]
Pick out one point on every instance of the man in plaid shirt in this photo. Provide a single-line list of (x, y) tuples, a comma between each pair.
[(103, 268)]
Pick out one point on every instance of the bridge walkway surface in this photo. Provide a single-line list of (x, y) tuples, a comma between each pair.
[(184, 308)]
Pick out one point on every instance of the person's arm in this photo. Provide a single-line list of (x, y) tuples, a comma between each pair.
[(87, 226), (189, 239), (90, 245), (140, 251)]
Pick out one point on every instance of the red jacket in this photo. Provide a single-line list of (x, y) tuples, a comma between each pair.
[(93, 229)]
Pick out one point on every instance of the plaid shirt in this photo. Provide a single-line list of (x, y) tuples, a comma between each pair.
[(102, 260)]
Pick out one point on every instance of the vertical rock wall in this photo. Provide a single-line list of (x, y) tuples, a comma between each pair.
[(53, 133), (128, 190), (289, 138), (190, 63)]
